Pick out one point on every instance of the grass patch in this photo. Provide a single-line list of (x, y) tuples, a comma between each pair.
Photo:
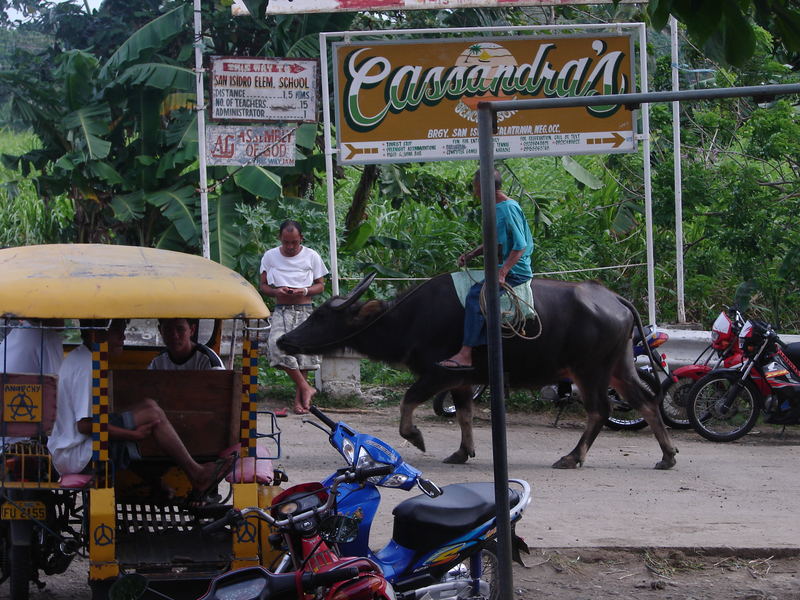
[(380, 374), (758, 568), (559, 562), (670, 565)]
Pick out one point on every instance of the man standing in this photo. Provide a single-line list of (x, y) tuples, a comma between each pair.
[(292, 273), (516, 246)]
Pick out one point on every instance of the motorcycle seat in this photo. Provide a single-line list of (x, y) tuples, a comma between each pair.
[(793, 352), (423, 523)]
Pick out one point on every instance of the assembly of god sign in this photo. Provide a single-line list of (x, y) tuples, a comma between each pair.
[(417, 100), (243, 145), (264, 89)]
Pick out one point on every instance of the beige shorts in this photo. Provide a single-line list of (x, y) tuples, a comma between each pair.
[(285, 318)]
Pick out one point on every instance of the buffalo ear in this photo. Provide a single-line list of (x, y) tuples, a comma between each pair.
[(355, 293), (369, 310)]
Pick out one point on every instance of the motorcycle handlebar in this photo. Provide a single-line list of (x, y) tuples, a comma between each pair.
[(314, 580), (232, 516), (323, 417), (382, 471), (264, 515)]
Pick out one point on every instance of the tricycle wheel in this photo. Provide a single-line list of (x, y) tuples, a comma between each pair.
[(100, 589), (19, 566)]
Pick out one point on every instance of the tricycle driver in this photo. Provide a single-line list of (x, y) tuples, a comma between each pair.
[(70, 444)]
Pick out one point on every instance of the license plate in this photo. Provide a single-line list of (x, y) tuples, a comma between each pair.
[(24, 510)]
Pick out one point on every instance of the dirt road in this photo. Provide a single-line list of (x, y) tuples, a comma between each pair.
[(722, 524)]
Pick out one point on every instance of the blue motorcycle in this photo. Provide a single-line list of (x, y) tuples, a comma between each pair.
[(443, 543)]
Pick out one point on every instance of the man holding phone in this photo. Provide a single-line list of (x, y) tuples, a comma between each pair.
[(292, 273)]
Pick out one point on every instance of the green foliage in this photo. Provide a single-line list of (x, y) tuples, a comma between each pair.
[(24, 218), (724, 29)]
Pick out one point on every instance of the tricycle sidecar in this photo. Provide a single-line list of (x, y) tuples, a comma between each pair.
[(142, 518)]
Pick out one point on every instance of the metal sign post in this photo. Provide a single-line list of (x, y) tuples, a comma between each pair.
[(505, 576), (201, 128)]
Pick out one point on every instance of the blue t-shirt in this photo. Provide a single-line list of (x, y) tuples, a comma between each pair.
[(513, 233)]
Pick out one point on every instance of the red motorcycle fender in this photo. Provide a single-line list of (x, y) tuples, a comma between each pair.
[(370, 583), (692, 371)]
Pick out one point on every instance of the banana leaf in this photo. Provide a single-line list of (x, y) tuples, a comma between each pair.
[(152, 37), (180, 207), (90, 123)]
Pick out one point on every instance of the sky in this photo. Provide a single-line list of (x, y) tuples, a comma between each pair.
[(92, 4)]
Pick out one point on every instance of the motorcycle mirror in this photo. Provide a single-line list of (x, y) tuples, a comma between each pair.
[(128, 587), (338, 529), (429, 488)]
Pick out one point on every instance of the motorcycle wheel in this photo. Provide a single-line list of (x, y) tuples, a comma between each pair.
[(673, 404), (19, 564), (623, 416), (444, 406), (712, 420), (489, 571)]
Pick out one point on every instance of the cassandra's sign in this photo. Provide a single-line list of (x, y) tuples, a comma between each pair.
[(415, 101)]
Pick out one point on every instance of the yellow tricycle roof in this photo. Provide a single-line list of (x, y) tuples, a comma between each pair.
[(85, 281)]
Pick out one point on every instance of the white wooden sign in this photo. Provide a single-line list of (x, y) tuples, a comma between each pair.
[(308, 6), (264, 89)]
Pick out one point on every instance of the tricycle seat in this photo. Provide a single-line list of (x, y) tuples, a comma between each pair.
[(75, 480)]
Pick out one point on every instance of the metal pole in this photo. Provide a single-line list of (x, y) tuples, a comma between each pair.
[(676, 159), (326, 125), (201, 127), (648, 184), (761, 92), (505, 579)]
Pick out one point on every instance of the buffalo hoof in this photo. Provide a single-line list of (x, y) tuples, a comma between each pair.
[(666, 463), (567, 462), (415, 437), (459, 457)]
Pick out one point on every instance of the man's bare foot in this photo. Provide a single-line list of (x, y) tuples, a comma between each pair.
[(306, 397), (212, 473)]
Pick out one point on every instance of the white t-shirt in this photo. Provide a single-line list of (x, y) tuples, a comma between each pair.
[(71, 451), (292, 271), (203, 358), (29, 349)]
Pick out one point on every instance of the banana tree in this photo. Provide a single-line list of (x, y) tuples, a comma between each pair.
[(119, 135)]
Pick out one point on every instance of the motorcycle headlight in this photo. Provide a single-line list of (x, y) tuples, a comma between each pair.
[(395, 480), (365, 461), (348, 450)]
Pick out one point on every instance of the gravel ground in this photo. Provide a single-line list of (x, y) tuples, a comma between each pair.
[(721, 524)]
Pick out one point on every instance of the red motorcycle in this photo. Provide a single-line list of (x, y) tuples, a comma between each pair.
[(723, 351), (307, 530), (725, 404)]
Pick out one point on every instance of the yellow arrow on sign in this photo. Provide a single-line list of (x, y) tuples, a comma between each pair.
[(356, 151), (615, 139)]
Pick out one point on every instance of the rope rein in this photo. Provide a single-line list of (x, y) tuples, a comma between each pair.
[(514, 325)]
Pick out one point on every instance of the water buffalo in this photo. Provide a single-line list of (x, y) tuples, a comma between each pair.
[(585, 335)]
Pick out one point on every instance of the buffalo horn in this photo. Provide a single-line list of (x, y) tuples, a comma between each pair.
[(355, 293)]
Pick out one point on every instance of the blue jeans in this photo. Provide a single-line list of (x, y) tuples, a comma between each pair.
[(474, 321)]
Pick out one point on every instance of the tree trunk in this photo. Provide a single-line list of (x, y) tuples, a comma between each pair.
[(358, 207)]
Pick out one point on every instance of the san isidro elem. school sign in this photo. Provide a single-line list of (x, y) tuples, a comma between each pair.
[(417, 100)]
